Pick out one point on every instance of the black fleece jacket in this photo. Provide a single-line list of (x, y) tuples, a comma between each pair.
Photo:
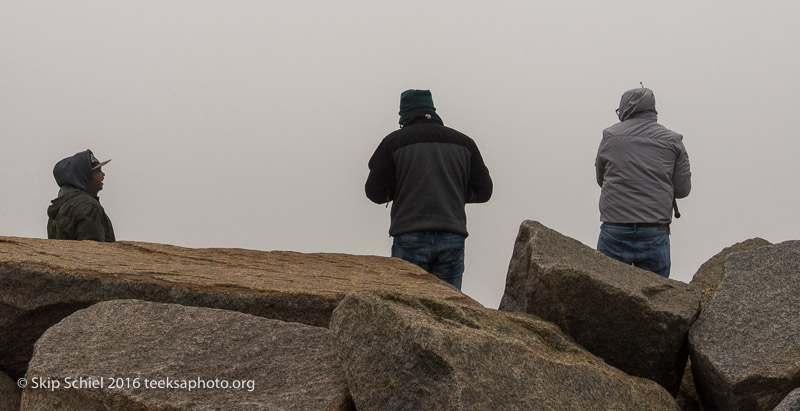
[(430, 171)]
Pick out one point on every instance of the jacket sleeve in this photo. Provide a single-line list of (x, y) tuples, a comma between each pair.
[(381, 180), (682, 174), (600, 166), (480, 184), (600, 170)]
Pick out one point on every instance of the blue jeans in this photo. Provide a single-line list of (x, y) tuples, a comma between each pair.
[(437, 252), (644, 247)]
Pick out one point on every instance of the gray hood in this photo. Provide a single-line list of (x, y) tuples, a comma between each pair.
[(637, 101), (75, 171)]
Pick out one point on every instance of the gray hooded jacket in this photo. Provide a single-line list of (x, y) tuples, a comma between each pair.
[(641, 165)]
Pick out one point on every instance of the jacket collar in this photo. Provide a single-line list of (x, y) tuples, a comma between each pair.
[(645, 115), (423, 119)]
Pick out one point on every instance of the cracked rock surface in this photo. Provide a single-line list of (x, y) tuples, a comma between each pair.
[(635, 320)]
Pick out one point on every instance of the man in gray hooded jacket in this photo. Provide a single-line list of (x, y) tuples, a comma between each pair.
[(642, 168)]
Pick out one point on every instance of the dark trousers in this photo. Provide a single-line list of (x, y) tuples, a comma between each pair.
[(644, 247), (437, 252)]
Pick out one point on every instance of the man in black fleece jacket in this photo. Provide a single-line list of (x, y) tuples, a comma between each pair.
[(430, 172)]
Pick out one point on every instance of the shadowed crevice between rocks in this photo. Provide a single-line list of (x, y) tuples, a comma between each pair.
[(18, 347)]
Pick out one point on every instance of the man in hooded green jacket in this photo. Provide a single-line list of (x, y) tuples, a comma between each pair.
[(76, 214)]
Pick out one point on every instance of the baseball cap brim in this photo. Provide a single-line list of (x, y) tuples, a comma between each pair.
[(98, 165)]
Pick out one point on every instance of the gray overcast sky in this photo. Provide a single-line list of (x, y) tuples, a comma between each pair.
[(249, 123)]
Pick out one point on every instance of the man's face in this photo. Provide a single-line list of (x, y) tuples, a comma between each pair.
[(97, 176)]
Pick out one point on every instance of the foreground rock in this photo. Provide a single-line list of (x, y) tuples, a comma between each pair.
[(635, 320), (706, 280), (9, 394), (790, 403), (746, 345), (245, 362), (405, 352), (43, 281)]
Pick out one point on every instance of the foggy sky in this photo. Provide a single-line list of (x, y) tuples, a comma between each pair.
[(250, 123)]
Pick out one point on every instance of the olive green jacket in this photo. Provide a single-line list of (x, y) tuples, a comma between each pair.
[(76, 215)]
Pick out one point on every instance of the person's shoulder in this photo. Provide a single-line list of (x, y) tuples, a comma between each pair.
[(452, 130), (395, 134), (674, 134), (467, 140), (391, 140), (613, 129), (451, 135), (415, 131), (666, 133)]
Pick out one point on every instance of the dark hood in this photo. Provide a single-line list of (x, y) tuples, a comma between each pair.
[(75, 171), (637, 101)]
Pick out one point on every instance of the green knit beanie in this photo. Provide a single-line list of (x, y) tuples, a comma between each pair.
[(415, 102)]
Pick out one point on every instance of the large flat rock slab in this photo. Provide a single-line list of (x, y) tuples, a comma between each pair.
[(9, 394), (406, 352), (635, 320), (746, 344), (43, 281), (136, 355)]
